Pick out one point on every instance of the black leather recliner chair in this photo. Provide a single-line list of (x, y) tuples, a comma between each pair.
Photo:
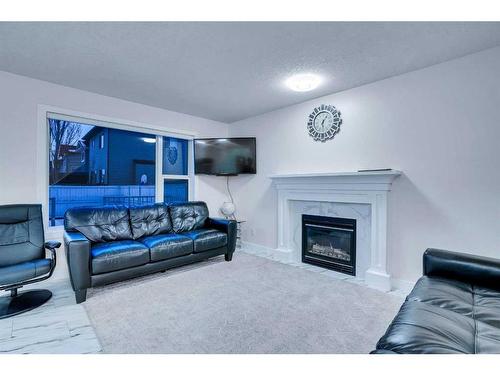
[(22, 258), (109, 244)]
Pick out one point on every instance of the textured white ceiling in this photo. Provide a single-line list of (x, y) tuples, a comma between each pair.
[(229, 71)]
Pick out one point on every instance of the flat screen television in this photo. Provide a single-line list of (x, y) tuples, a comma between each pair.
[(225, 156)]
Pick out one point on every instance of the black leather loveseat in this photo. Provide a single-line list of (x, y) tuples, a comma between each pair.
[(109, 244), (453, 308)]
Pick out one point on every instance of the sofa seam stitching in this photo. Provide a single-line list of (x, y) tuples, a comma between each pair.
[(474, 318)]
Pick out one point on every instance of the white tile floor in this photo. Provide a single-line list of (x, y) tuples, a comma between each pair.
[(60, 326)]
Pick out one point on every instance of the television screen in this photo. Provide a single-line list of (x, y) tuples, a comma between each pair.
[(224, 156)]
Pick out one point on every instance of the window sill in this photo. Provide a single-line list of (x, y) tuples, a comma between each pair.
[(54, 233)]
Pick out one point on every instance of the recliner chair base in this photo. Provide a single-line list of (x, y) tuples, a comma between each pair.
[(19, 303)]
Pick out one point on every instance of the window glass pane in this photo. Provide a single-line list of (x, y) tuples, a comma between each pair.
[(95, 166), (175, 190), (175, 156)]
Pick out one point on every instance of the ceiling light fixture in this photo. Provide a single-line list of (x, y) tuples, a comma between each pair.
[(303, 82), (149, 140)]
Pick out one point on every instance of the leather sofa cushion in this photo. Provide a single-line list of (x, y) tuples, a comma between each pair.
[(446, 293), (423, 328), (24, 271), (150, 220), (166, 246), (206, 239), (446, 316), (487, 308), (117, 255), (188, 216), (99, 224)]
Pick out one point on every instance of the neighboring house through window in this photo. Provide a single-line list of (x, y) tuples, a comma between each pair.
[(92, 165)]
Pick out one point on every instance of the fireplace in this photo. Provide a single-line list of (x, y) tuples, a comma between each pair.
[(329, 242)]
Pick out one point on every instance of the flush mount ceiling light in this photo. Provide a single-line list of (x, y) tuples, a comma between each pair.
[(149, 140), (303, 82)]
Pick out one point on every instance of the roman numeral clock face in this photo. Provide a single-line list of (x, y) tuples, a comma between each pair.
[(324, 122)]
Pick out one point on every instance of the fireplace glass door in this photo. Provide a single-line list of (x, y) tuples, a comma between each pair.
[(329, 242)]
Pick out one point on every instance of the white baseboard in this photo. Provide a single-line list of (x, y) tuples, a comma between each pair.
[(268, 252)]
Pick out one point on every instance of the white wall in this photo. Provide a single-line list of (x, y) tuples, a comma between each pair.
[(19, 100), (439, 125)]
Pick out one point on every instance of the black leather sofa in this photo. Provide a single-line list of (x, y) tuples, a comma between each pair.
[(109, 244), (453, 308)]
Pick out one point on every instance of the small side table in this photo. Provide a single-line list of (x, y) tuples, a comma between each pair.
[(239, 224)]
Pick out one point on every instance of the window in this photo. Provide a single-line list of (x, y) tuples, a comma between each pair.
[(94, 163), (175, 190), (175, 170), (175, 156)]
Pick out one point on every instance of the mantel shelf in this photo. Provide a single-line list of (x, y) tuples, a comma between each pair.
[(392, 172), (356, 181)]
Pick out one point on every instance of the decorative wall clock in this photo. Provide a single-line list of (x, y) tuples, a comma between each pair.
[(324, 122)]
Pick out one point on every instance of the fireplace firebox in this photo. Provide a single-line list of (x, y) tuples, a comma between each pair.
[(329, 242)]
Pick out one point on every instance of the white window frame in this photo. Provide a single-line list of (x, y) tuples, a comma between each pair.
[(43, 136)]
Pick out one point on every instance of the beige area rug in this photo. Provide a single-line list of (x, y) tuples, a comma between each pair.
[(249, 305)]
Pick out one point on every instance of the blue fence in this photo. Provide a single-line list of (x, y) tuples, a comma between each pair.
[(62, 198), (175, 190)]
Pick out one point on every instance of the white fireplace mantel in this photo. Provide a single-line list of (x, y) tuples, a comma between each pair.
[(369, 188)]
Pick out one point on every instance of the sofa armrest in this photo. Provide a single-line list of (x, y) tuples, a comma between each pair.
[(52, 245), (473, 269), (227, 226), (78, 257)]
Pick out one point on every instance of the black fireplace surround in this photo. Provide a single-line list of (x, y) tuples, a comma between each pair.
[(329, 242)]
